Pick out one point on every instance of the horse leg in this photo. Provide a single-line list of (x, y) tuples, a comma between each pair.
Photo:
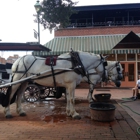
[(70, 110), (89, 97), (7, 108), (20, 110), (68, 103)]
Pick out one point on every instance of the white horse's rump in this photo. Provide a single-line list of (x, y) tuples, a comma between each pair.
[(114, 71), (28, 65)]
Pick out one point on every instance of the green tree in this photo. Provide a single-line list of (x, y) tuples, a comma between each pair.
[(56, 12)]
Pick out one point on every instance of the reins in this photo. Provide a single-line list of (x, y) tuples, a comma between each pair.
[(77, 66)]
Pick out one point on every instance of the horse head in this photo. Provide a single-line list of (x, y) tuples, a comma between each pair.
[(115, 72), (87, 61), (99, 63)]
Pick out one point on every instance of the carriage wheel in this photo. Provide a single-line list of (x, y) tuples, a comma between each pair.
[(32, 93), (45, 92)]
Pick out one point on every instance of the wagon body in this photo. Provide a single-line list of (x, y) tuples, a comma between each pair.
[(34, 91)]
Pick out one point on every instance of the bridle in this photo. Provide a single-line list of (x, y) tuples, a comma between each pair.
[(118, 69), (79, 67)]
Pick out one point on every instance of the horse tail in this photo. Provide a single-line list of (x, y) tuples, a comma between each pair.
[(5, 98)]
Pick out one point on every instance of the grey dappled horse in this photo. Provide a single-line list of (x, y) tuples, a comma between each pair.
[(114, 71), (78, 62)]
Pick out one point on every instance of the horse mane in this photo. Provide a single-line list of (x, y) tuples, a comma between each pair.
[(110, 64)]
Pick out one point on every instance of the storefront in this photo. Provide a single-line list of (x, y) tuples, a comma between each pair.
[(120, 47), (131, 67)]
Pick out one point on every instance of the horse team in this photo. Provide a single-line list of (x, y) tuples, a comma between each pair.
[(75, 66)]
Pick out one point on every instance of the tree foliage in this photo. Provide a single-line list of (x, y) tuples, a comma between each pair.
[(56, 12)]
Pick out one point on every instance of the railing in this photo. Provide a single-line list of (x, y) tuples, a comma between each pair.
[(107, 23)]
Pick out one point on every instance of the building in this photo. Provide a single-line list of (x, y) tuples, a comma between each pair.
[(2, 60), (12, 59), (105, 29)]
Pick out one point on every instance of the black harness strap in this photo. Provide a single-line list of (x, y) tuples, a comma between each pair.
[(41, 77), (77, 64), (54, 81), (69, 59), (26, 70), (104, 78)]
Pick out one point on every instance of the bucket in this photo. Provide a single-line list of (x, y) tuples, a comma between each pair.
[(102, 111), (102, 97)]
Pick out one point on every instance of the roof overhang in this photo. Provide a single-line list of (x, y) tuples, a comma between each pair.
[(30, 46), (98, 44), (108, 7)]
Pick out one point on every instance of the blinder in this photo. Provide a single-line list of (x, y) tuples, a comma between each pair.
[(120, 75), (105, 74), (105, 63)]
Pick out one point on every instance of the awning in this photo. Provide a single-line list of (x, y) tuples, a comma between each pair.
[(94, 44), (125, 51)]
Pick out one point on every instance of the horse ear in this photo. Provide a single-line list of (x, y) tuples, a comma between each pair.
[(71, 49), (101, 56)]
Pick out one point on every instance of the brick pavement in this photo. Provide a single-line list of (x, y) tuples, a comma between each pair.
[(46, 120)]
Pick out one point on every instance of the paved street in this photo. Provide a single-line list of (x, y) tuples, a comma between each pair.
[(46, 120)]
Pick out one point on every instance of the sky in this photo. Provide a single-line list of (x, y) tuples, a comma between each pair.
[(17, 21)]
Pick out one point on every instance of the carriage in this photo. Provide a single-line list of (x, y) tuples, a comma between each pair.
[(34, 91)]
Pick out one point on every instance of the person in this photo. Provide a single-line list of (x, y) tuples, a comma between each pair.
[(136, 89)]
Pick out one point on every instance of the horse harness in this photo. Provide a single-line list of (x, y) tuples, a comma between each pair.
[(118, 69), (77, 67)]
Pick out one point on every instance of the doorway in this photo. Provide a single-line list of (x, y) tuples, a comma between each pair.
[(129, 74)]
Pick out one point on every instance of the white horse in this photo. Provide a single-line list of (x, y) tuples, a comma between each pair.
[(78, 63), (114, 71)]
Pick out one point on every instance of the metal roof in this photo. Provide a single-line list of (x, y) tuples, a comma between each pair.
[(30, 46), (93, 44), (98, 44), (108, 7)]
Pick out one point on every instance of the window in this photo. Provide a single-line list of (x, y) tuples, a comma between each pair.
[(131, 72), (5, 75), (111, 57), (121, 57), (131, 57), (138, 56)]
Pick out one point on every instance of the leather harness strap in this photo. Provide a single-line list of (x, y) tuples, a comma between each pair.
[(77, 64), (51, 63)]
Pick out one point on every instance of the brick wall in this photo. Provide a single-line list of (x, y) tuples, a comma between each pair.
[(97, 30), (2, 60)]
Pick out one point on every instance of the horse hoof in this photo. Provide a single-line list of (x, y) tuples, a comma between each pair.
[(9, 116), (23, 114), (77, 117)]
